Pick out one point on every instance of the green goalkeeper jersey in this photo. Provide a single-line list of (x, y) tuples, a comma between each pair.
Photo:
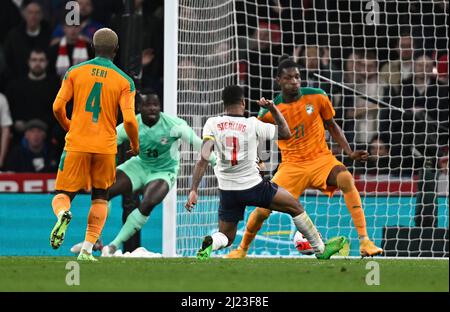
[(159, 148)]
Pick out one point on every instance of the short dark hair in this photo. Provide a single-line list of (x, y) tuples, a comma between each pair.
[(232, 95), (38, 50), (285, 62), (145, 94)]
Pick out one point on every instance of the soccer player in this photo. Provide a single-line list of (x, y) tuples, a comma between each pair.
[(155, 169), (98, 89), (307, 162), (235, 139)]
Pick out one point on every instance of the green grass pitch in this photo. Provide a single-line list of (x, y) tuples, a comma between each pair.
[(251, 274)]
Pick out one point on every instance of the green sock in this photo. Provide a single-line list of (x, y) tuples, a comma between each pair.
[(135, 222)]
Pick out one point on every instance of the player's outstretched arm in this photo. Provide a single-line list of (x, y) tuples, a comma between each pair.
[(337, 134), (283, 129), (199, 171), (188, 135)]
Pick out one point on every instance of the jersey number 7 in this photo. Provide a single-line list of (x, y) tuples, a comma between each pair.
[(233, 142), (93, 101)]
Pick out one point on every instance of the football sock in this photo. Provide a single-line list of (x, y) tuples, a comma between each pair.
[(135, 222), (353, 202), (254, 224), (60, 204), (87, 246), (308, 229), (220, 241), (96, 220)]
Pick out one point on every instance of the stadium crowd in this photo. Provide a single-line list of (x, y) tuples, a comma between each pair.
[(37, 47), (404, 63), (402, 60)]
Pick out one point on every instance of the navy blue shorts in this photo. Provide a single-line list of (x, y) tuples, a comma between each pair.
[(232, 203)]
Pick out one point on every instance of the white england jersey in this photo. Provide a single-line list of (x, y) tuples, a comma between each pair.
[(236, 147)]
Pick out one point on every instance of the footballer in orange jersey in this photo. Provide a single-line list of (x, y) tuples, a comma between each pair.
[(307, 162), (98, 89)]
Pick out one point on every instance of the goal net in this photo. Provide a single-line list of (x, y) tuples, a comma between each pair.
[(393, 51)]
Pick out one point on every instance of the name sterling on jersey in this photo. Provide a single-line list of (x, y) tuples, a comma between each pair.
[(231, 125)]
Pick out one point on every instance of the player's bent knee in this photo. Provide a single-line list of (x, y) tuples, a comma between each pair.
[(296, 210), (262, 213), (99, 194), (71, 195), (147, 206), (345, 181)]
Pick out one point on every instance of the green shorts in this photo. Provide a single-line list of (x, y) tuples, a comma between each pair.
[(140, 174)]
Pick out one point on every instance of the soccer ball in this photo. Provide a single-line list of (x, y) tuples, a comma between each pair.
[(302, 244)]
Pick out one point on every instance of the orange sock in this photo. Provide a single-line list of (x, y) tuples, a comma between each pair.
[(353, 202), (96, 220), (352, 199), (254, 224), (60, 202)]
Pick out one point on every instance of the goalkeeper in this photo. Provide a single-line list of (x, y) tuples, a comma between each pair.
[(307, 162), (154, 170)]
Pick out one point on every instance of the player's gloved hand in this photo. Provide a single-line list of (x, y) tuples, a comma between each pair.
[(192, 201), (359, 155), (265, 103)]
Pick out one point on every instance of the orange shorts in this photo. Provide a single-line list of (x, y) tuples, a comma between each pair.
[(296, 177), (83, 171)]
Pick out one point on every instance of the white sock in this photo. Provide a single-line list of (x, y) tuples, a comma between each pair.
[(61, 213), (308, 229), (87, 246), (220, 240)]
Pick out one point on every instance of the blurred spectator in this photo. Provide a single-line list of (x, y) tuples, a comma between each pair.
[(9, 18), (32, 95), (379, 160), (263, 50), (315, 60), (153, 45), (414, 133), (105, 9), (69, 50), (32, 154), (5, 131), (440, 113), (443, 182), (33, 33), (396, 71), (88, 25), (343, 100), (364, 113)]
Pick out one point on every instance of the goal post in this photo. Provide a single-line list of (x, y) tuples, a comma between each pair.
[(170, 107), (392, 51)]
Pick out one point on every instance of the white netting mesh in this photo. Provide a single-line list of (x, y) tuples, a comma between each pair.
[(395, 51), (205, 66)]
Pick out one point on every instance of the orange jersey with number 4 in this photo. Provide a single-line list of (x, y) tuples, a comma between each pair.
[(305, 118), (98, 88)]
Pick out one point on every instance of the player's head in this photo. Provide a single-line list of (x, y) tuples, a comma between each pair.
[(233, 97), (150, 107), (288, 76), (105, 42)]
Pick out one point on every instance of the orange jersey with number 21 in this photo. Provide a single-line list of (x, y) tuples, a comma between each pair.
[(305, 118)]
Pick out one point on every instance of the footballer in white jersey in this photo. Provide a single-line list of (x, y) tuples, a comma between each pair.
[(234, 138), (236, 146)]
